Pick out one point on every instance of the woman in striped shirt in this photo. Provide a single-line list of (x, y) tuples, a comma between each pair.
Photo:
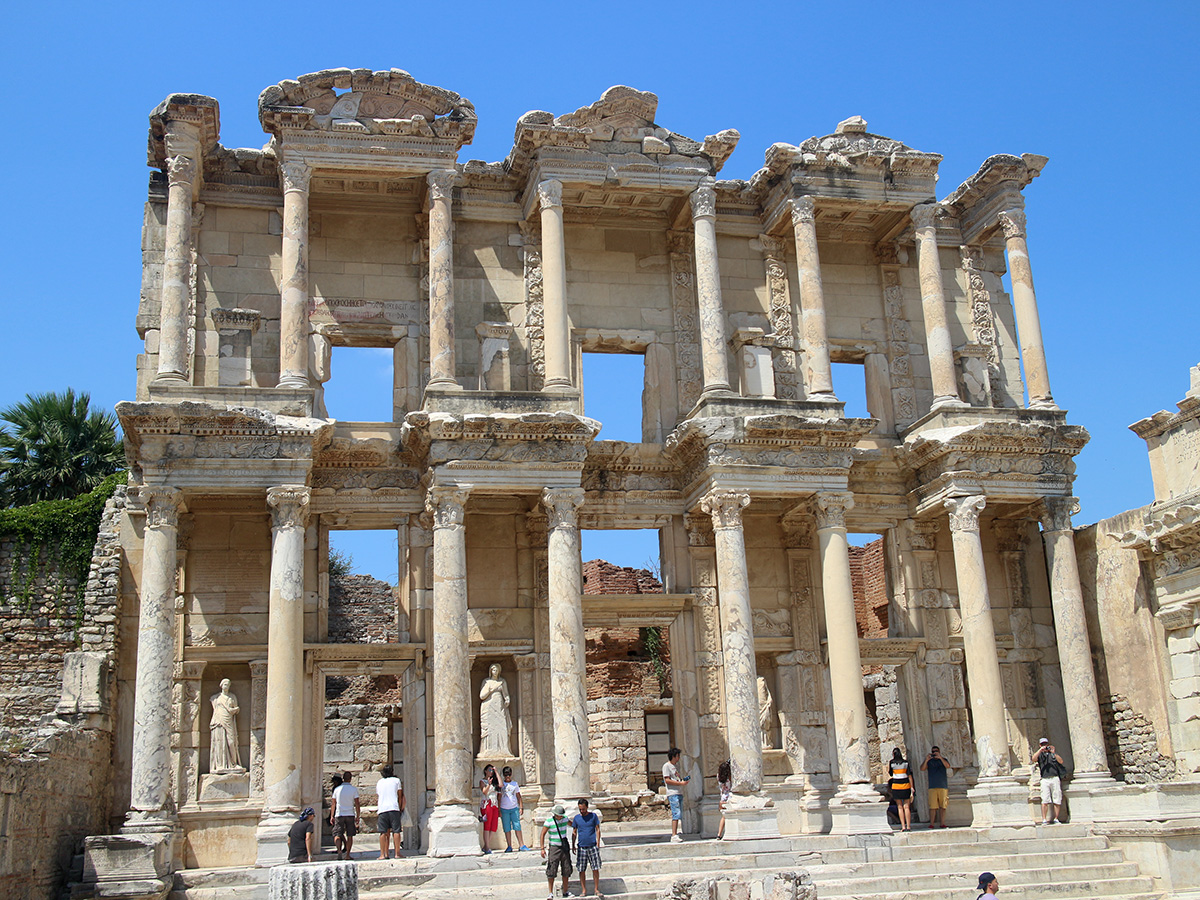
[(900, 783)]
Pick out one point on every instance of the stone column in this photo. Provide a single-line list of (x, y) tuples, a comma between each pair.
[(818, 374), (714, 361), (1074, 648), (284, 720), (1029, 326), (933, 308), (150, 779), (554, 289), (979, 637), (441, 279), (737, 639), (452, 824), (568, 673), (177, 272), (293, 300)]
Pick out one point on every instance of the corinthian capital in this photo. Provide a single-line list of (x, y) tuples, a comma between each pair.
[(1012, 221), (549, 193), (704, 199), (296, 175), (1057, 512), (562, 504), (289, 505), (446, 503), (830, 508), (162, 505), (441, 183), (964, 512), (923, 215), (804, 212), (181, 170), (725, 507)]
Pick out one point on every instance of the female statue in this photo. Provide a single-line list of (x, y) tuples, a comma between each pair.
[(223, 736), (766, 704), (495, 723)]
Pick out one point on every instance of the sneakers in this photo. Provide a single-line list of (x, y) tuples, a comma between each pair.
[(523, 847), (676, 839), (508, 849)]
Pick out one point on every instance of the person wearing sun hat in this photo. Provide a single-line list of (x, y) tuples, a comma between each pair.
[(300, 837), (560, 849), (988, 886)]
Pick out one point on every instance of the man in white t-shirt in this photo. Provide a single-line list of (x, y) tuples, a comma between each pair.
[(344, 816), (511, 808), (390, 808), (674, 790)]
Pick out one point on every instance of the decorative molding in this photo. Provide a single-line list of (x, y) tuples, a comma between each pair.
[(804, 212), (441, 184), (181, 171), (923, 216), (163, 505), (296, 175), (830, 508)]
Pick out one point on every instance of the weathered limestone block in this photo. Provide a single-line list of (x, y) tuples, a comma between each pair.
[(792, 885)]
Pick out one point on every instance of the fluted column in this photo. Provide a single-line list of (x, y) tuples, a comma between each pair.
[(441, 279), (818, 373), (293, 301), (979, 637), (284, 735), (568, 673), (177, 271), (933, 308), (1074, 647), (714, 361), (152, 708), (845, 661), (737, 639), (1029, 326), (554, 288)]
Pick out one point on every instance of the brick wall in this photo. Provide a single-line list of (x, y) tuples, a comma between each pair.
[(868, 576), (362, 610)]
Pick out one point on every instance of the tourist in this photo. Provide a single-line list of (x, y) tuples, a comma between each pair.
[(334, 783), (344, 816), (587, 839), (939, 790), (900, 784), (511, 807), (725, 784), (1050, 766), (300, 837), (489, 813), (674, 793), (390, 808), (559, 856), (988, 886)]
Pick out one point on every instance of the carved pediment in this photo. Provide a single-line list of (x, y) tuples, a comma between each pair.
[(359, 100)]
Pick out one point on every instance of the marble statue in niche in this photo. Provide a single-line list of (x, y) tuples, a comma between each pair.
[(223, 756), (766, 705), (495, 719)]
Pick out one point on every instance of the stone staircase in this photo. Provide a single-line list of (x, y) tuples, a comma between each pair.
[(1061, 861)]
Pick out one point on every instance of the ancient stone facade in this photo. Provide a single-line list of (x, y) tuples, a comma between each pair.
[(601, 231)]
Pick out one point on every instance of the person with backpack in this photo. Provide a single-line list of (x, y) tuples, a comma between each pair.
[(559, 855)]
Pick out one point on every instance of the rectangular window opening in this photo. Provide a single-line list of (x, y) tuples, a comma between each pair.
[(660, 738), (850, 385), (360, 385), (613, 387)]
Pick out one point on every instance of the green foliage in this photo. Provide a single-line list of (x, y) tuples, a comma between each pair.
[(652, 643), (56, 448), (341, 564), (61, 533)]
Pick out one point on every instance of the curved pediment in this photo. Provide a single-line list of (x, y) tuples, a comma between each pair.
[(359, 100)]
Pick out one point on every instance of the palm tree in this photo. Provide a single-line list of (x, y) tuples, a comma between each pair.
[(56, 448)]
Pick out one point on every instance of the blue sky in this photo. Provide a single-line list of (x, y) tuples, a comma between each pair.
[(1109, 92)]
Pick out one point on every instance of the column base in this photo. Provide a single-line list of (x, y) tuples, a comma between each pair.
[(858, 809), (1043, 403), (750, 816), (999, 800), (1092, 797), (293, 383), (948, 403), (271, 838), (134, 866), (453, 831)]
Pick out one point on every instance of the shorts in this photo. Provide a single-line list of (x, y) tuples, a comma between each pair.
[(510, 819), (939, 798), (557, 856), (586, 856), (343, 827), (676, 803), (1052, 790), (389, 820)]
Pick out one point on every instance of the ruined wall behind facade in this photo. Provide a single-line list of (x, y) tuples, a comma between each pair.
[(362, 610)]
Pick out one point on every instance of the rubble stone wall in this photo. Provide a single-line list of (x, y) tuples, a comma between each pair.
[(617, 737)]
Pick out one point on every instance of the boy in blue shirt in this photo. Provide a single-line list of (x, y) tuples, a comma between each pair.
[(587, 847)]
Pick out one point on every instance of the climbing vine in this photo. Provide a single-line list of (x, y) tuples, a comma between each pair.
[(652, 643), (59, 533)]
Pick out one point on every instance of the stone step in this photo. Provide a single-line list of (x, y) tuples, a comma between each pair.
[(1057, 879)]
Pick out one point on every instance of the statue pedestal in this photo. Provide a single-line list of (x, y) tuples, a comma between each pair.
[(453, 831), (128, 866), (225, 786)]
